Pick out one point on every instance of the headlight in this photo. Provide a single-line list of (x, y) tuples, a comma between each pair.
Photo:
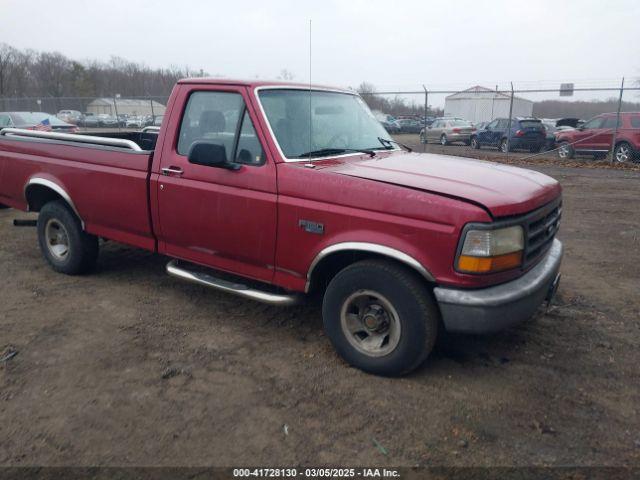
[(486, 251)]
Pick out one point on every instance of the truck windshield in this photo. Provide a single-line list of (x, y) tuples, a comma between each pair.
[(308, 121)]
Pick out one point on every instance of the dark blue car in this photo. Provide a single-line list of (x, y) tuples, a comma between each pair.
[(526, 134)]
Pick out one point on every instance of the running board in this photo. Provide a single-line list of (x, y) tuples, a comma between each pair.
[(239, 289)]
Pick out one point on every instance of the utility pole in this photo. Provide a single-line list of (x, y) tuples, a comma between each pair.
[(615, 131)]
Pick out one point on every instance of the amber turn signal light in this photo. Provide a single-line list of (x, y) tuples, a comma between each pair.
[(467, 263)]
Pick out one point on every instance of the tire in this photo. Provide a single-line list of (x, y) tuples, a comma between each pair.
[(475, 144), (503, 146), (623, 153), (565, 151), (443, 140), (64, 245), (3, 207), (383, 293)]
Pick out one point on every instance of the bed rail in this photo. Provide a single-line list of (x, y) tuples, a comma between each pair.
[(71, 137)]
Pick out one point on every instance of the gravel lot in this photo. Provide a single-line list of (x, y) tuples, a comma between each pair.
[(130, 367)]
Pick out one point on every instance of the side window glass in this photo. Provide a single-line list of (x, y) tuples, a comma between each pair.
[(249, 151), (492, 125), (211, 117), (609, 122), (635, 121), (4, 121), (593, 123)]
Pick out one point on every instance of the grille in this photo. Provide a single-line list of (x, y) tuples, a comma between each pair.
[(540, 228)]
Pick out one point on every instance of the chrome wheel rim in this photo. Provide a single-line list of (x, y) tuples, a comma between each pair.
[(622, 154), (563, 151), (57, 239), (503, 147), (474, 143), (443, 140), (370, 323)]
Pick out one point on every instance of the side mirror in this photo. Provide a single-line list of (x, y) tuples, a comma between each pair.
[(210, 155)]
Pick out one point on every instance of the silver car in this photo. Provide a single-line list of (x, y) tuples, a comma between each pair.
[(448, 130)]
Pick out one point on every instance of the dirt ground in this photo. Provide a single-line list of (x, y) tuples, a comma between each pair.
[(127, 366)]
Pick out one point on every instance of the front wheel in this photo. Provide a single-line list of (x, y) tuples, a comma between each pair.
[(65, 246), (423, 138), (504, 146), (475, 144), (380, 317)]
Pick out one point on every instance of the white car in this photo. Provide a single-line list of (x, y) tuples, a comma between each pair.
[(135, 122)]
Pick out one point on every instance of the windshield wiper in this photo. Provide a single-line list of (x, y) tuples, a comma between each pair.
[(388, 142), (335, 151)]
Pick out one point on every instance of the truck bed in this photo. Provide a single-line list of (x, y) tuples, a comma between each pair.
[(109, 185)]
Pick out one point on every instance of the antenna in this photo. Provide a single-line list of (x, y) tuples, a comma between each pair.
[(310, 113)]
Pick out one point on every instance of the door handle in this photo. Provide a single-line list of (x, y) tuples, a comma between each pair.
[(172, 170)]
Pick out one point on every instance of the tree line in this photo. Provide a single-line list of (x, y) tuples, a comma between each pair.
[(27, 73), (580, 109), (395, 105)]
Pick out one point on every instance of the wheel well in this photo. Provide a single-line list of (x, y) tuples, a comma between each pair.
[(39, 195), (329, 267)]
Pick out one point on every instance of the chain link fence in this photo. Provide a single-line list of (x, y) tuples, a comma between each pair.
[(90, 113), (565, 120)]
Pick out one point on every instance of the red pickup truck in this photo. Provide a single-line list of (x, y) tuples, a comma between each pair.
[(276, 191)]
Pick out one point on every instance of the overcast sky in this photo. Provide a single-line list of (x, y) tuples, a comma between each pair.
[(393, 44)]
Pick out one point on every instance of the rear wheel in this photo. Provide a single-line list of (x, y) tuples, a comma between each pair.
[(380, 317), (623, 153), (565, 151), (443, 140), (475, 144), (65, 246)]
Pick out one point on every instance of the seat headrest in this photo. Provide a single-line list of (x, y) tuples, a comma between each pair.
[(212, 121)]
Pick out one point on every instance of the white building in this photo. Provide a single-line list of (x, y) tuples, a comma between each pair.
[(480, 104)]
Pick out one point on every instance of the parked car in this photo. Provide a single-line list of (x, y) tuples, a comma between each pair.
[(569, 122), (73, 117), (447, 131), (526, 134), (135, 122), (35, 120), (122, 119), (399, 244), (106, 120), (596, 136), (409, 125), (390, 126), (89, 120)]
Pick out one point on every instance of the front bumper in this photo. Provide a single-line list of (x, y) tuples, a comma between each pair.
[(494, 308)]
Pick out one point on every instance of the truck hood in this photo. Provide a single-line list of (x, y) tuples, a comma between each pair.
[(501, 189)]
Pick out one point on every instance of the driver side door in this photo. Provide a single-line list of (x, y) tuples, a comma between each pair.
[(218, 217)]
